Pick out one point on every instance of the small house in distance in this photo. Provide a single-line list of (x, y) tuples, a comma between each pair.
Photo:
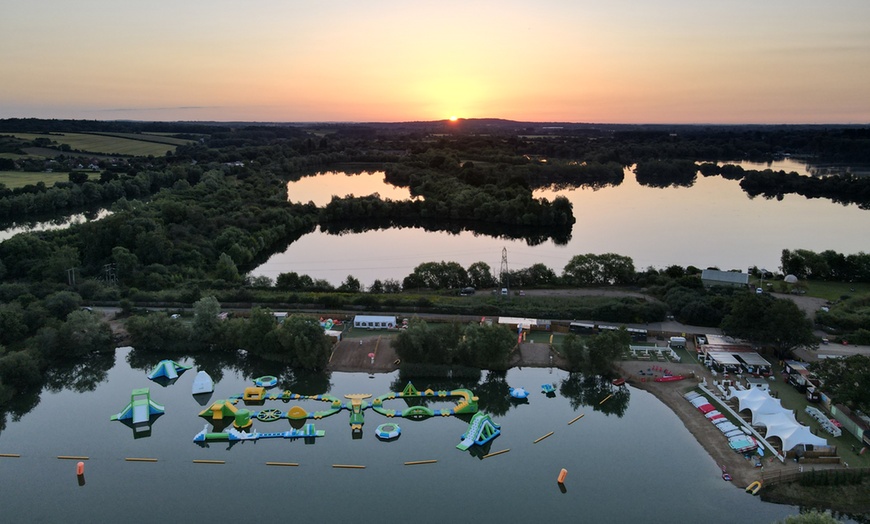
[(714, 277)]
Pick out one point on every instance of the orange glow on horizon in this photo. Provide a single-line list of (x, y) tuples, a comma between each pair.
[(454, 118)]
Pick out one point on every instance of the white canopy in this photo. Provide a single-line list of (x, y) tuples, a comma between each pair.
[(723, 358), (791, 436), (753, 359), (776, 420), (748, 396)]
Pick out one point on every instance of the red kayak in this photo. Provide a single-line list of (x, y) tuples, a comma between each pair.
[(670, 378)]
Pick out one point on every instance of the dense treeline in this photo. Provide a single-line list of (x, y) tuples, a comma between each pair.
[(67, 196), (193, 232), (827, 265), (844, 189), (40, 125)]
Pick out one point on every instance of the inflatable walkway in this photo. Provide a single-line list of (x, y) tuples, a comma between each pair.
[(481, 430)]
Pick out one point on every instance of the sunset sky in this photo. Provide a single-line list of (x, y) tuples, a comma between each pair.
[(665, 61)]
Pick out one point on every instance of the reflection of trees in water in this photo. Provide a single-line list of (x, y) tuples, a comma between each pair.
[(590, 390), (21, 404), (448, 378), (494, 394), (82, 374), (249, 366), (533, 236)]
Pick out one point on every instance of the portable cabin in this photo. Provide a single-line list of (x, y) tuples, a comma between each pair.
[(374, 322)]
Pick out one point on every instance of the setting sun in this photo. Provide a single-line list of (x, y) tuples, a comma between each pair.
[(454, 118)]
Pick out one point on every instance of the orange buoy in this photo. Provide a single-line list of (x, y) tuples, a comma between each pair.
[(80, 468), (562, 475)]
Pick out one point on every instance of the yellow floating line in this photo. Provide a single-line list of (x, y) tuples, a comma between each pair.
[(139, 459), (10, 455), (605, 399), (497, 453), (578, 417), (71, 457), (201, 461), (542, 438), (282, 463), (415, 462), (348, 466)]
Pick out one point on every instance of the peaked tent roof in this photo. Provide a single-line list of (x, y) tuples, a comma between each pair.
[(794, 435), (772, 421)]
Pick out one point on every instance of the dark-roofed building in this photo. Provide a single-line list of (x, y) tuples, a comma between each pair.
[(714, 277)]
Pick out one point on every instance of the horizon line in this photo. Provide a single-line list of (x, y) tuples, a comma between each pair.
[(447, 121)]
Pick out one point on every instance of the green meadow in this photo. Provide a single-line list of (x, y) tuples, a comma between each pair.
[(111, 144), (16, 179)]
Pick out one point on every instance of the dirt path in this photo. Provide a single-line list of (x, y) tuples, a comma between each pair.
[(354, 355)]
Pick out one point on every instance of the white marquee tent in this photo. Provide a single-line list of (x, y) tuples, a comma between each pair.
[(780, 422), (794, 435)]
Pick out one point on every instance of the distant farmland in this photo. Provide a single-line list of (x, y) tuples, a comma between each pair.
[(16, 179), (126, 144)]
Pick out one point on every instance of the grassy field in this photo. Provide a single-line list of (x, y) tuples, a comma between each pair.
[(148, 137), (16, 179), (105, 144), (820, 289), (835, 290)]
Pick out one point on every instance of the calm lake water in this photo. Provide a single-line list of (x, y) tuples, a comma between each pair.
[(711, 223), (45, 225), (641, 467)]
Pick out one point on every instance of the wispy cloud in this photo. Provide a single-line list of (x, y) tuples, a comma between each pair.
[(173, 108)]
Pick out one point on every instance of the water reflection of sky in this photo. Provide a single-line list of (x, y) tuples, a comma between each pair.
[(711, 223), (321, 187), (635, 468), (61, 223)]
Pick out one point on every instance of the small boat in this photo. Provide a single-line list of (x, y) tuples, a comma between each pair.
[(618, 381), (754, 488), (548, 388), (725, 475), (669, 378)]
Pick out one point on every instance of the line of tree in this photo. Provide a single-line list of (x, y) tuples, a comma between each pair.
[(476, 345), (827, 265), (298, 341)]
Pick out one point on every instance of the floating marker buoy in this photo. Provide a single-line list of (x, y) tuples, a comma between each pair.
[(562, 475), (80, 468)]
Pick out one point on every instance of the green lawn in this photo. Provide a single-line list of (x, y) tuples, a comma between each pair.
[(793, 399), (103, 144), (16, 179), (836, 290), (819, 289)]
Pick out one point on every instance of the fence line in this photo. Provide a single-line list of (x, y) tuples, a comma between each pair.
[(777, 477)]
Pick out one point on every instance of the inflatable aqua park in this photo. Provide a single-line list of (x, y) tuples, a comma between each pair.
[(481, 430), (168, 369), (202, 383), (140, 408), (242, 418), (519, 393), (266, 381), (388, 431)]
